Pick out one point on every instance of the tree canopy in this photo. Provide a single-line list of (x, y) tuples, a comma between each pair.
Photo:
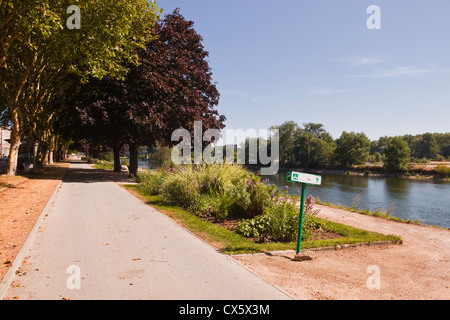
[(169, 89), (37, 51)]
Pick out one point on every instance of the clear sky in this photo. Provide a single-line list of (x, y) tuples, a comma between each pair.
[(316, 61)]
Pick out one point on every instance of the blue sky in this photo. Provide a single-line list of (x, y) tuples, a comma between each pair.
[(316, 61)]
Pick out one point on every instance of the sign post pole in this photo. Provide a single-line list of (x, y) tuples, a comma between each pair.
[(302, 211)]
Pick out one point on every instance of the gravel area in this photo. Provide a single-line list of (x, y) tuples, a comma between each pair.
[(418, 269)]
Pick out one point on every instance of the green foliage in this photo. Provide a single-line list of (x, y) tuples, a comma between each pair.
[(220, 191), (107, 156), (314, 149), (310, 146), (39, 55), (280, 222), (161, 156), (102, 164), (443, 171), (424, 146), (124, 161), (151, 181), (352, 148), (287, 143), (397, 155), (232, 243)]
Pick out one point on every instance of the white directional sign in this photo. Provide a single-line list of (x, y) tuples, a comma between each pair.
[(304, 178)]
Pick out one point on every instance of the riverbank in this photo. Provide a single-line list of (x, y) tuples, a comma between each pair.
[(416, 172), (414, 270)]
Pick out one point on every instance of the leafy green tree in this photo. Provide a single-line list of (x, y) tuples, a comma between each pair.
[(425, 146), (352, 148), (377, 157), (443, 141), (287, 132), (313, 148), (397, 154), (37, 49), (317, 129)]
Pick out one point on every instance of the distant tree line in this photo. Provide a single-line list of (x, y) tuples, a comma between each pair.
[(311, 146)]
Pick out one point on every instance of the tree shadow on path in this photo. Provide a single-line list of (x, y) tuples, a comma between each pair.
[(90, 175)]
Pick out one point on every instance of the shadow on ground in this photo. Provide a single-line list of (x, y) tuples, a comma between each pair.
[(87, 175), (76, 175)]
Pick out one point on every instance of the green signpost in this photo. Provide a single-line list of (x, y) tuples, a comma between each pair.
[(304, 179)]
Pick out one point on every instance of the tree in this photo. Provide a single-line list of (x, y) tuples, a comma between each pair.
[(171, 88), (352, 148), (37, 50), (96, 112), (287, 132), (425, 146), (397, 154), (314, 146), (317, 129)]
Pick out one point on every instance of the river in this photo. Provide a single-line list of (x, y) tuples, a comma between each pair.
[(426, 201)]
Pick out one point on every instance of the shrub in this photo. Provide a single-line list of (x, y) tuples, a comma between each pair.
[(124, 161), (280, 222), (443, 171), (107, 156), (151, 181)]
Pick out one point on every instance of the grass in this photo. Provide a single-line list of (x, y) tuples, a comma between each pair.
[(231, 243), (104, 165), (377, 213), (380, 213)]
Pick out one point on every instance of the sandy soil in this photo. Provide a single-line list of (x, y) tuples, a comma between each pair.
[(20, 207), (418, 269)]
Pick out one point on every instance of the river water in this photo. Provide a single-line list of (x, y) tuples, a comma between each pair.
[(426, 201)]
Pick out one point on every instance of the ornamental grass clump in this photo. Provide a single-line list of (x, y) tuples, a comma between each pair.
[(220, 191), (151, 181)]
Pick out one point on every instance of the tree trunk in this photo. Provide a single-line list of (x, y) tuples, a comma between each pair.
[(134, 155), (45, 157), (50, 156), (116, 151), (11, 167), (35, 154)]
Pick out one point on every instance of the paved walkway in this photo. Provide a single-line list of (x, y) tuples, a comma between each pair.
[(97, 241)]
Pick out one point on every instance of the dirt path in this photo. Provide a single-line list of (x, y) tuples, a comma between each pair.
[(417, 269), (20, 207)]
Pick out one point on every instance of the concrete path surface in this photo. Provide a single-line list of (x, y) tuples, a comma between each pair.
[(97, 241)]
